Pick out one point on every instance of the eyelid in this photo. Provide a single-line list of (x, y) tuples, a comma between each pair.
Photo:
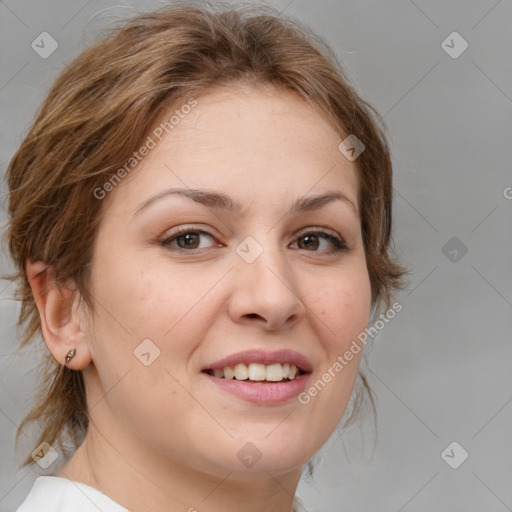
[(337, 240), (326, 231), (183, 230)]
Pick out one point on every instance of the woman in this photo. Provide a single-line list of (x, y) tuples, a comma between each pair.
[(200, 218)]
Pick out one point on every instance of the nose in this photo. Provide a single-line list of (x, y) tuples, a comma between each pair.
[(265, 291)]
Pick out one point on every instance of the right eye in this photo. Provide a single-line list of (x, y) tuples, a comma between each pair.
[(187, 240)]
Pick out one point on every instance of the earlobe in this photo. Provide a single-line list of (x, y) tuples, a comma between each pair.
[(59, 323), (77, 356)]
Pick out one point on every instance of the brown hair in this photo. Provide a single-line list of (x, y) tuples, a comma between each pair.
[(101, 108)]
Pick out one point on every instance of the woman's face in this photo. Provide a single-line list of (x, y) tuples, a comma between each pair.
[(255, 277)]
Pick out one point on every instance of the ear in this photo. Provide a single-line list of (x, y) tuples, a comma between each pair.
[(59, 321)]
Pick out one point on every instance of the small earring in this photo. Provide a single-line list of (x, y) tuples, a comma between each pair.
[(70, 355)]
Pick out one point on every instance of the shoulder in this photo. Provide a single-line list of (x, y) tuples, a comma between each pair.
[(56, 494)]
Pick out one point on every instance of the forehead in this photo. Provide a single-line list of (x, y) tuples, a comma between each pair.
[(252, 142), (247, 121)]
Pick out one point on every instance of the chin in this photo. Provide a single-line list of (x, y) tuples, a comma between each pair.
[(273, 449)]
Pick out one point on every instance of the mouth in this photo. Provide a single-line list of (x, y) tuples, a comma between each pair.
[(262, 377), (258, 372)]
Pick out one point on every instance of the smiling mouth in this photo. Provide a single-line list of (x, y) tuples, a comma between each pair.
[(257, 372)]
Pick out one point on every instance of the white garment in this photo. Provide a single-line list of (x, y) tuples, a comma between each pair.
[(56, 494)]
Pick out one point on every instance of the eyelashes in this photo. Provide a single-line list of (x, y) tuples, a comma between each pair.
[(187, 238), (183, 233), (337, 242)]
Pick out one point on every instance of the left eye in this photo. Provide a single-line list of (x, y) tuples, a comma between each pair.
[(189, 240), (311, 239)]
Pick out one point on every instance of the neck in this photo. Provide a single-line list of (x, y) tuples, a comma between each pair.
[(124, 471)]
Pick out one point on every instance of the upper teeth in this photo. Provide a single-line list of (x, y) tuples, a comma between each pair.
[(257, 371)]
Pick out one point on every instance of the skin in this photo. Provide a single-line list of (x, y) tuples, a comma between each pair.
[(163, 437)]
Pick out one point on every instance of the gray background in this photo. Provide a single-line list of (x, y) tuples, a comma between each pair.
[(441, 368)]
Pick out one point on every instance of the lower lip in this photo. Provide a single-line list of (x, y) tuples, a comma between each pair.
[(262, 393)]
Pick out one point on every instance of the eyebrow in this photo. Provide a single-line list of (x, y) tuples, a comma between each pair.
[(221, 201)]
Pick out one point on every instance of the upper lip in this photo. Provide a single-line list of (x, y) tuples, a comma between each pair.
[(263, 357)]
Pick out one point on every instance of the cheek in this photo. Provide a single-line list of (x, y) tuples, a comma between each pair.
[(344, 307), (138, 294), (341, 313), (147, 301)]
